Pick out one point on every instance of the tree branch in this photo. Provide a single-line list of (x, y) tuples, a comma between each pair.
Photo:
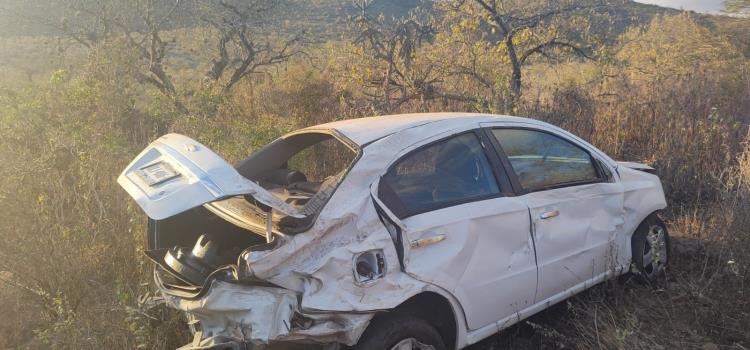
[(540, 49)]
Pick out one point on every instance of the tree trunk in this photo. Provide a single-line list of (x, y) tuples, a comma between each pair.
[(238, 74), (387, 86), (515, 79)]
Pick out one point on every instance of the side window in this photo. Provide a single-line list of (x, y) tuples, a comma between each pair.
[(448, 172), (542, 160)]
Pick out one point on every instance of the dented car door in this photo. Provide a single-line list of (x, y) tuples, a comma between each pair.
[(576, 207), (464, 232)]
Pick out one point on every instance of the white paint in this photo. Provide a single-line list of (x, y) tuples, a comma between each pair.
[(574, 246), (487, 259), (486, 265), (365, 130), (203, 177)]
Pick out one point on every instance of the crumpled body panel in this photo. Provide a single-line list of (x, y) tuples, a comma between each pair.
[(232, 312), (495, 259), (237, 311), (318, 263), (315, 269)]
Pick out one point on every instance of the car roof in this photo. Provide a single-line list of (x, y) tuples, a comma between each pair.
[(363, 131)]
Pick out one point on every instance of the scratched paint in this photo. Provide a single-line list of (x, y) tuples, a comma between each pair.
[(496, 261)]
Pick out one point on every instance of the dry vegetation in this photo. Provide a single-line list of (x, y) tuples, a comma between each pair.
[(673, 92)]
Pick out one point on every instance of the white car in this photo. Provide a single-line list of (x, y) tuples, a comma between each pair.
[(417, 231)]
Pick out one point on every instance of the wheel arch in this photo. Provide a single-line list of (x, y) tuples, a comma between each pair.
[(643, 197), (439, 309), (637, 240), (643, 219)]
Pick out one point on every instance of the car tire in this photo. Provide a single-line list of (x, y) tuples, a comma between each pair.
[(650, 245), (400, 332)]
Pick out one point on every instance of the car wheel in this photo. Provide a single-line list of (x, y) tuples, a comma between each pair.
[(650, 248), (400, 332)]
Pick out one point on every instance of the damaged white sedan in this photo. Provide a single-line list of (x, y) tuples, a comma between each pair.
[(421, 231)]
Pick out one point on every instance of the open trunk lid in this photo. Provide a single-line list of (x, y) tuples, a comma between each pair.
[(176, 173)]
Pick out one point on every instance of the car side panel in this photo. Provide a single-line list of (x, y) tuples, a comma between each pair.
[(486, 259), (643, 195), (578, 244)]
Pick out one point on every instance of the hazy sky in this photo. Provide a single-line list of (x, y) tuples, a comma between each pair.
[(710, 6)]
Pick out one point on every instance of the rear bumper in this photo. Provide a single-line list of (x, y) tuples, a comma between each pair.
[(250, 313), (235, 316)]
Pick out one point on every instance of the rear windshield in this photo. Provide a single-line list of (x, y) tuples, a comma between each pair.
[(301, 169), (322, 160)]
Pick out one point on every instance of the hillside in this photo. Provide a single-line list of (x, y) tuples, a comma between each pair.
[(325, 20), (322, 17), (31, 27)]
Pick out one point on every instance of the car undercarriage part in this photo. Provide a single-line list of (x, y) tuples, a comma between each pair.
[(195, 265)]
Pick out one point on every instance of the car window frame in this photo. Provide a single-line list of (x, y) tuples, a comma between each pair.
[(502, 178), (335, 134), (514, 179)]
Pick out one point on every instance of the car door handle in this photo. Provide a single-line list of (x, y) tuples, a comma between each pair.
[(549, 214), (419, 243)]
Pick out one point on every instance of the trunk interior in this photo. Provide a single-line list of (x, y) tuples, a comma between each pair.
[(302, 170)]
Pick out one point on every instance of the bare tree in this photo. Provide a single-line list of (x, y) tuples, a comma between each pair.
[(86, 22), (394, 45), (249, 35), (249, 38), (153, 49), (525, 29), (138, 23)]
